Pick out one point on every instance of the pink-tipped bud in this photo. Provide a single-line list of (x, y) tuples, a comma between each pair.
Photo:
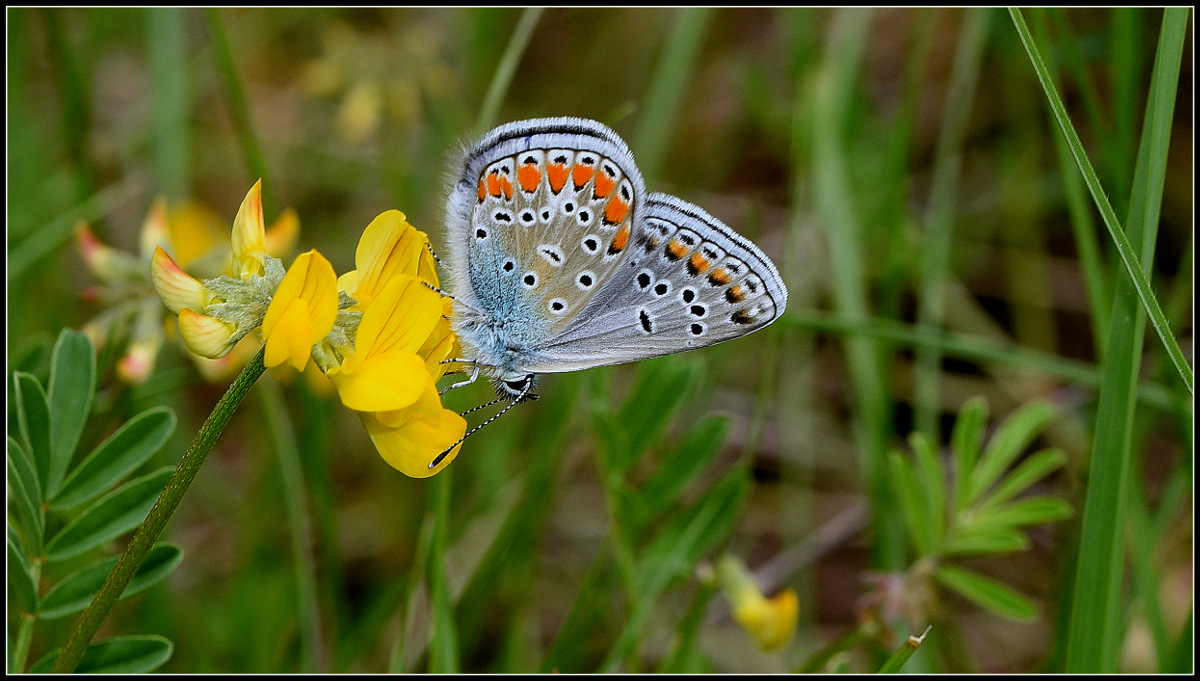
[(176, 288), (206, 336)]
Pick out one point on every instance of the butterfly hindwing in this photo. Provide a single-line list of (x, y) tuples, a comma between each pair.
[(689, 281)]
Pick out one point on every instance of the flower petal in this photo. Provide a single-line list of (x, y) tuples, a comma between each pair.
[(426, 431), (177, 289), (204, 335), (302, 311), (382, 382), (389, 247), (249, 236), (400, 319)]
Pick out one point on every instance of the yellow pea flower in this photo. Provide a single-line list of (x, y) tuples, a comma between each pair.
[(771, 621), (302, 311)]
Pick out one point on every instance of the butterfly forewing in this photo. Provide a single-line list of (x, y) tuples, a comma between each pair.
[(551, 215)]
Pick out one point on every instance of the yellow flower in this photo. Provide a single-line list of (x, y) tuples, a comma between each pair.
[(770, 621), (302, 311), (401, 343), (389, 246)]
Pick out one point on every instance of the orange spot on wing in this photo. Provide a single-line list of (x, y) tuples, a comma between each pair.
[(616, 210), (506, 187), (529, 176), (719, 277), (676, 250), (604, 185), (493, 184), (582, 173), (557, 173), (620, 240), (735, 294), (699, 264)]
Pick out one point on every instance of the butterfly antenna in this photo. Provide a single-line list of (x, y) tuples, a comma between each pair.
[(429, 247), (446, 294), (520, 398)]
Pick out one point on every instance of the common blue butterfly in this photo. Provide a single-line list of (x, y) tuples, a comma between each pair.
[(561, 261)]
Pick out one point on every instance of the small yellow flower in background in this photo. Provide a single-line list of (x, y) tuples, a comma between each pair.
[(771, 621), (380, 333), (132, 314)]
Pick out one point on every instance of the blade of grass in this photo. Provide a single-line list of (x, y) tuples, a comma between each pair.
[(667, 85), (1159, 139), (939, 217), (443, 650), (838, 216), (1096, 620), (239, 110), (168, 73), (506, 67), (76, 113), (974, 348), (279, 425)]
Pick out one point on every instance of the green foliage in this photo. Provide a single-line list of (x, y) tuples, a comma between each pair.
[(982, 519), (46, 531)]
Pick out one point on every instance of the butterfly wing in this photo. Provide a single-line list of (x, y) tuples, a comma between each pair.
[(689, 281), (542, 212)]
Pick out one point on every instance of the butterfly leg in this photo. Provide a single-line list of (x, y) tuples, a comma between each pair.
[(474, 374)]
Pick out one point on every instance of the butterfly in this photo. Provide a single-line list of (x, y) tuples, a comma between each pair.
[(561, 261)]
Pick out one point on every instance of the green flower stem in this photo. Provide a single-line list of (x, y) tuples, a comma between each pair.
[(89, 622)]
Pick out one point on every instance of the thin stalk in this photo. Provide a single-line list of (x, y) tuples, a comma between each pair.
[(1129, 258), (168, 71), (239, 110), (939, 218), (150, 529), (507, 66), (1095, 629), (443, 650), (667, 87), (291, 476), (974, 348)]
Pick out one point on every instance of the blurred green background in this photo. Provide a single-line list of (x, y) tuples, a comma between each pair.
[(901, 167)]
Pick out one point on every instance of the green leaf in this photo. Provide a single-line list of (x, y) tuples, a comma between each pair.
[(72, 382), (20, 580), (117, 655), (986, 592), (77, 589), (1011, 438), (111, 516), (33, 417), (681, 466), (904, 481), (1032, 511), (967, 442), (26, 494), (1032, 469), (116, 457), (934, 485), (975, 541)]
